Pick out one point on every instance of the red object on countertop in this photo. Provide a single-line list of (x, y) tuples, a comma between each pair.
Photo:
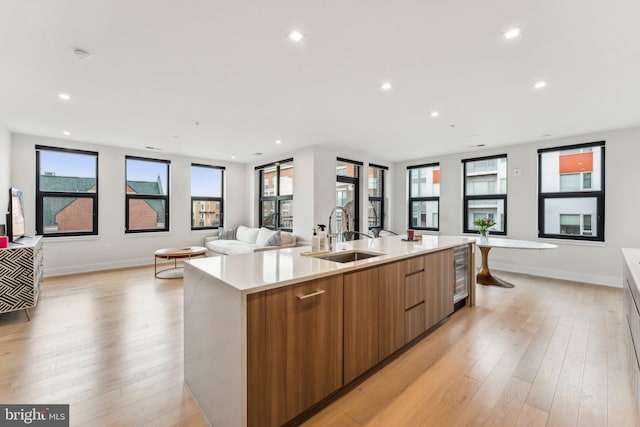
[(4, 241)]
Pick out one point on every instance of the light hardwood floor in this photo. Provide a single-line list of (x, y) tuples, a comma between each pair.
[(547, 352)]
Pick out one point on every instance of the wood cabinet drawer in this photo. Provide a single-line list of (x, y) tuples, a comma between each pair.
[(414, 321), (414, 289), (413, 265)]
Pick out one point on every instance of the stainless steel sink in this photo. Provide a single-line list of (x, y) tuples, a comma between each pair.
[(348, 256)]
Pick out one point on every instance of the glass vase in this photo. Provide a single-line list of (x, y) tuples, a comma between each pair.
[(484, 234)]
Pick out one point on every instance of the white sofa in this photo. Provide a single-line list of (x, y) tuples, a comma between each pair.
[(248, 240)]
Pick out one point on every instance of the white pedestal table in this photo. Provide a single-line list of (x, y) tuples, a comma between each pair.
[(484, 276)]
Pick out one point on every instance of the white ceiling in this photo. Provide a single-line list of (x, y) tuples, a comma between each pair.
[(160, 66)]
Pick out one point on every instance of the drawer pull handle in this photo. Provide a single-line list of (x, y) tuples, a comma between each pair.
[(414, 272), (313, 294)]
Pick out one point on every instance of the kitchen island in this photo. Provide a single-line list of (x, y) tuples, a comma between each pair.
[(269, 335)]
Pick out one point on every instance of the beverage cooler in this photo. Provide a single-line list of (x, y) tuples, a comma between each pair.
[(461, 260)]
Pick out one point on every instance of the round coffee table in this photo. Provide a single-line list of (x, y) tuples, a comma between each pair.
[(175, 253)]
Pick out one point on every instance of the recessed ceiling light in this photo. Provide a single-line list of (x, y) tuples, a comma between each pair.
[(435, 114), (66, 132), (64, 96), (546, 135), (233, 157), (149, 147), (385, 86), (278, 141), (295, 36), (540, 84), (512, 33)]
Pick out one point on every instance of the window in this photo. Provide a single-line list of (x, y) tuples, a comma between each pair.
[(276, 195), (485, 192), (376, 196), (348, 193), (424, 196), (146, 195), (206, 196), (571, 192), (66, 192)]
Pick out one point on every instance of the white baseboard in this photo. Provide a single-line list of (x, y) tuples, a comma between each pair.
[(86, 268), (611, 281)]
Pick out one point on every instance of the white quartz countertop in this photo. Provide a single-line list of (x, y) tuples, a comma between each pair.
[(260, 271)]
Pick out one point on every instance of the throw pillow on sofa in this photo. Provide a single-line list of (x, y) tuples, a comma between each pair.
[(246, 234), (226, 233), (274, 240), (288, 238), (264, 234)]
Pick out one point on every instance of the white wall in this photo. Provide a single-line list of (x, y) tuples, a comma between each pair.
[(5, 170), (314, 197), (112, 248), (590, 262), (314, 185)]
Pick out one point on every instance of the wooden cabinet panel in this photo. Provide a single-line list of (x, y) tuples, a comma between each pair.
[(414, 289), (360, 322), (257, 387), (415, 286), (305, 341), (391, 308), (440, 273), (302, 361), (414, 322), (413, 265)]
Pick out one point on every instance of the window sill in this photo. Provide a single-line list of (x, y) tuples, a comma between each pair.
[(69, 238), (205, 230), (147, 234)]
